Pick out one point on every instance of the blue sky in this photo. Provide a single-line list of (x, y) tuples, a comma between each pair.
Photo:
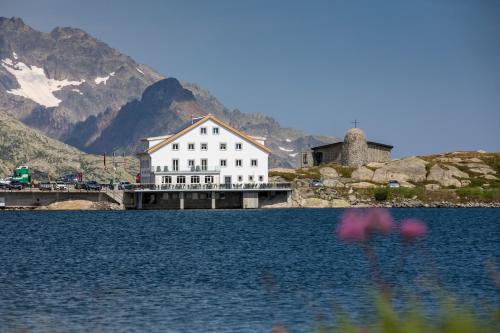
[(421, 75)]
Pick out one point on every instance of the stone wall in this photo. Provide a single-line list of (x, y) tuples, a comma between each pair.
[(329, 154), (39, 198), (377, 153), (355, 148)]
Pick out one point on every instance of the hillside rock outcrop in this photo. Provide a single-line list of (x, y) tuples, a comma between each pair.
[(443, 176), (411, 169), (362, 174)]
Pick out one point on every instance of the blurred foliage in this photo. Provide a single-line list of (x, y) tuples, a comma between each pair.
[(450, 318)]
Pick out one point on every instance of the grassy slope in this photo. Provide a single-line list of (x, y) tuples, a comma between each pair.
[(21, 145)]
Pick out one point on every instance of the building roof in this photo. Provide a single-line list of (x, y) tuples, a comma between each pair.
[(201, 121), (373, 143)]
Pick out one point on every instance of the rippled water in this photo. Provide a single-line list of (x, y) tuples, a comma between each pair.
[(220, 271)]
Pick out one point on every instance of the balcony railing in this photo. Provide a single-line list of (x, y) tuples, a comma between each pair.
[(243, 186), (194, 169)]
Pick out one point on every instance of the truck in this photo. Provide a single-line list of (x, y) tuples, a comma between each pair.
[(22, 175)]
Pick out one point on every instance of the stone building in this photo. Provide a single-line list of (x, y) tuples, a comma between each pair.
[(354, 151)]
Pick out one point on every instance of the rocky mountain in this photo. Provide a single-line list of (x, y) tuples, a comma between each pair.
[(52, 80), (77, 89), (49, 158)]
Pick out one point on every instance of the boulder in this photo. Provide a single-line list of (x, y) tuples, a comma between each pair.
[(489, 177), (362, 185), (456, 172), (443, 176), (375, 165), (362, 173), (408, 169), (339, 203), (328, 172), (330, 182), (465, 182), (432, 187), (406, 184), (449, 159), (315, 203), (483, 169)]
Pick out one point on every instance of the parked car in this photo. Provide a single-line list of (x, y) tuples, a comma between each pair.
[(60, 186), (393, 184), (316, 183), (16, 185), (4, 184), (124, 186), (92, 185), (45, 186), (79, 185)]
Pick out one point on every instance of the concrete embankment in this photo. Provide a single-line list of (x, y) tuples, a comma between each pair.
[(34, 199)]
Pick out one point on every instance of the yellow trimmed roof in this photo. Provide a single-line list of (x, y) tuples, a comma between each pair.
[(203, 120)]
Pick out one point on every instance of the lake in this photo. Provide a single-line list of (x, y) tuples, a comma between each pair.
[(222, 270)]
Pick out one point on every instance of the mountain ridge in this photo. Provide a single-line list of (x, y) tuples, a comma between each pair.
[(86, 87)]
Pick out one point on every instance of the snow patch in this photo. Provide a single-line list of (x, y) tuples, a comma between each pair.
[(139, 70), (288, 140), (284, 149), (77, 91), (34, 84), (293, 155), (103, 79), (14, 54)]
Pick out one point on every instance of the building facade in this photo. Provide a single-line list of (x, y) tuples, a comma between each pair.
[(208, 151), (354, 151)]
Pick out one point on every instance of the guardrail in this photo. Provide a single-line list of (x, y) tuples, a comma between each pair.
[(243, 186)]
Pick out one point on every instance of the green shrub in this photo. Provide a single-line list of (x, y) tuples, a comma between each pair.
[(381, 194), (479, 194)]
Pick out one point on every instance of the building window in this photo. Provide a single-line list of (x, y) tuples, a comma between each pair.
[(223, 163), (204, 164), (175, 165), (222, 146), (181, 179), (204, 146), (215, 131), (190, 146), (304, 158), (209, 179), (239, 163), (175, 146), (191, 164), (203, 130), (166, 180), (250, 178), (195, 179), (238, 146), (240, 178), (261, 178), (253, 163), (158, 168)]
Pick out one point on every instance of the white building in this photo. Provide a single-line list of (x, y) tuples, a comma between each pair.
[(208, 151)]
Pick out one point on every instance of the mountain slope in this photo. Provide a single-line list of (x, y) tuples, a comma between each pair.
[(51, 80), (21, 145)]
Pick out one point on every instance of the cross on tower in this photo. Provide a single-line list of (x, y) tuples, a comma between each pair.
[(355, 122)]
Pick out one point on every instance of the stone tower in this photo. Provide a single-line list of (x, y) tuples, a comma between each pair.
[(355, 148)]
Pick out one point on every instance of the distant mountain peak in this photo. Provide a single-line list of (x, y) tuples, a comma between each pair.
[(167, 90)]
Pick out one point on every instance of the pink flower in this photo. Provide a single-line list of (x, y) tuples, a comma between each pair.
[(412, 229), (353, 227), (380, 220)]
